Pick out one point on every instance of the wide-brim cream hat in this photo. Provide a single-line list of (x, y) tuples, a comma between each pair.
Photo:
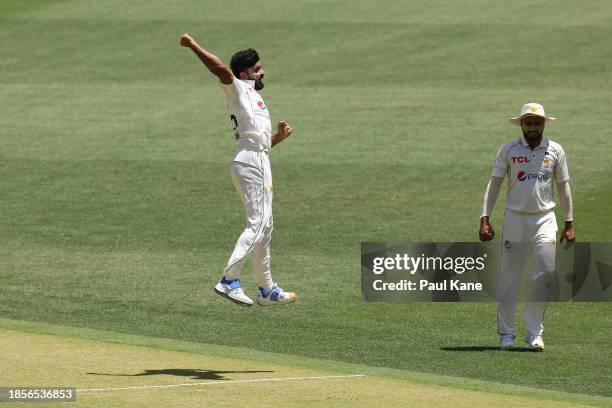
[(532, 109)]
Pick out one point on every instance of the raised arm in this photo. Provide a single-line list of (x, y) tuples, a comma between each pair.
[(212, 62)]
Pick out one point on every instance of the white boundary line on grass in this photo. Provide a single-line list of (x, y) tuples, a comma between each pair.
[(330, 377)]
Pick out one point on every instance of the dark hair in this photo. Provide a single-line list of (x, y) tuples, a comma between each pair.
[(243, 60)]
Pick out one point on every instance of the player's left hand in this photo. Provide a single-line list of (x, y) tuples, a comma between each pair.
[(284, 129)]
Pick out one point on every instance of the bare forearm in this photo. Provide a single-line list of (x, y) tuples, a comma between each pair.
[(211, 61), (277, 138)]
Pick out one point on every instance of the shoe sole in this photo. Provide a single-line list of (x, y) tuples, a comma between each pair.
[(226, 296), (271, 302)]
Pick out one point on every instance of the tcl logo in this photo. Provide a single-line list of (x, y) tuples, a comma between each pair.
[(522, 176), (520, 159)]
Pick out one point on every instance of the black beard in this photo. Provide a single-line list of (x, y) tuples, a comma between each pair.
[(259, 85), (532, 138)]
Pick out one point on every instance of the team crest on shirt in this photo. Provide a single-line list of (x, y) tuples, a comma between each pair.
[(261, 105)]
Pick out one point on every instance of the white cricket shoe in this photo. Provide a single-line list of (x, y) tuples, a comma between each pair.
[(506, 341), (277, 296), (231, 290), (535, 343)]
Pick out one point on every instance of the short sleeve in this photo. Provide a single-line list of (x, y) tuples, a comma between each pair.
[(234, 90), (500, 166), (561, 171)]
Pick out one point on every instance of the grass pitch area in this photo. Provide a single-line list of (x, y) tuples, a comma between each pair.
[(117, 210), (117, 370)]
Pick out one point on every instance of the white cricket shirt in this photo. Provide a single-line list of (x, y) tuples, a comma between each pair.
[(531, 173), (250, 119)]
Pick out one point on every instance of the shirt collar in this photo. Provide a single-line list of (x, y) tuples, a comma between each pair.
[(543, 142), (249, 82)]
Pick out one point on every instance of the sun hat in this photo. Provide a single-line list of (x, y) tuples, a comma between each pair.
[(531, 109)]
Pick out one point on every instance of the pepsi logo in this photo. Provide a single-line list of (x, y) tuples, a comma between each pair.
[(522, 176)]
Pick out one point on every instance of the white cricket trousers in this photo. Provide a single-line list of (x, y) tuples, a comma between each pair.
[(254, 186), (522, 235)]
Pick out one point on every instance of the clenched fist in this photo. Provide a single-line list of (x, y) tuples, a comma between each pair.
[(186, 40), (486, 232), (284, 129)]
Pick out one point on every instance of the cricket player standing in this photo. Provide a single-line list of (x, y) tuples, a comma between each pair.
[(250, 171), (531, 163)]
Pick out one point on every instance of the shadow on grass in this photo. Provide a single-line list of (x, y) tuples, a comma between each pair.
[(487, 348), (193, 373)]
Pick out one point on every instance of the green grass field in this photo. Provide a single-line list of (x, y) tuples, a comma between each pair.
[(117, 212), (118, 370)]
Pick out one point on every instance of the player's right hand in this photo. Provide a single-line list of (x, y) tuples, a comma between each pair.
[(486, 230), (186, 40)]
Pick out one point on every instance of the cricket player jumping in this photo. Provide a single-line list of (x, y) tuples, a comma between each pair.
[(531, 163), (250, 171)]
